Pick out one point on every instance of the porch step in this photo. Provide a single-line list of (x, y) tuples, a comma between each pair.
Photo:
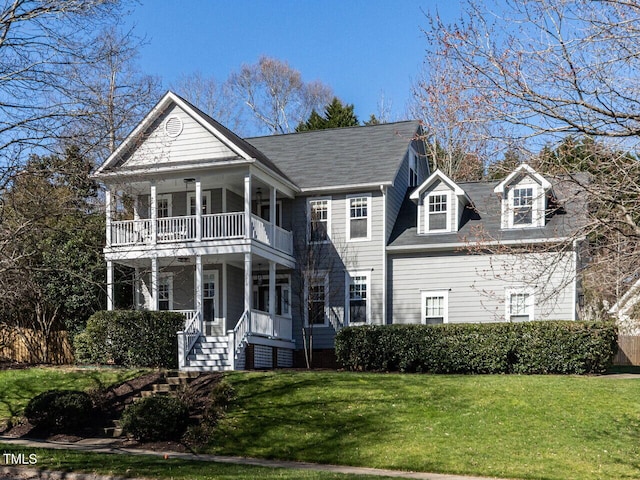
[(209, 353)]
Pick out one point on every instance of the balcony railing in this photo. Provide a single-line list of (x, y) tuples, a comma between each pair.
[(218, 226), (261, 323)]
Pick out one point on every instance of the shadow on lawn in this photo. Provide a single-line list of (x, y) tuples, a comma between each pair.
[(288, 418)]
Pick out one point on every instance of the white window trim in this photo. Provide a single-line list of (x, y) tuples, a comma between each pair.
[(317, 276), (425, 212), (191, 195), (169, 277), (536, 215), (216, 278), (169, 199), (369, 217), (412, 158), (519, 290), (347, 298), (434, 293), (309, 202)]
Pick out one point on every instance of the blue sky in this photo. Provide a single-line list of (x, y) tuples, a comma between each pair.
[(362, 49)]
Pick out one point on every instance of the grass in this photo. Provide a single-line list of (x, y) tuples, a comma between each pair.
[(533, 427), (156, 467), (17, 387)]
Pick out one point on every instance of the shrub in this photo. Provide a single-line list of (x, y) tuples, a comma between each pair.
[(155, 418), (132, 338), (64, 411), (530, 347), (220, 397)]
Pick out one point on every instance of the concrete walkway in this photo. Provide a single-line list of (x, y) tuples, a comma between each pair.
[(106, 445)]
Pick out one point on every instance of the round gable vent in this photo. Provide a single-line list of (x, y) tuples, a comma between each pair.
[(173, 126)]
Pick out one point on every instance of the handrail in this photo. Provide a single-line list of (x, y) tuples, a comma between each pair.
[(237, 337), (192, 329)]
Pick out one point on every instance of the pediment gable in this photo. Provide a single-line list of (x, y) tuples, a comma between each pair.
[(523, 174), (176, 133), (437, 180)]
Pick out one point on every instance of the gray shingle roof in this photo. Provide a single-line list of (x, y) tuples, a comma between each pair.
[(341, 156), (484, 214)]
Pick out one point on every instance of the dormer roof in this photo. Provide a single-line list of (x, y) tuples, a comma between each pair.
[(523, 169), (436, 176)]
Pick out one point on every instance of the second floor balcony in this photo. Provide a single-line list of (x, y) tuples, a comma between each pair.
[(212, 227)]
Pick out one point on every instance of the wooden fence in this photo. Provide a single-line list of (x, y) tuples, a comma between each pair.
[(628, 350), (17, 346)]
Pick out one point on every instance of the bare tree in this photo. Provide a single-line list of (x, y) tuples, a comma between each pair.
[(212, 97), (549, 68), (108, 95), (38, 40), (276, 95)]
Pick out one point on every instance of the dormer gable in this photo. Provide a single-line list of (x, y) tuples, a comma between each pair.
[(524, 194), (440, 204)]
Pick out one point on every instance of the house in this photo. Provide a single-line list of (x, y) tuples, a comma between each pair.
[(266, 244)]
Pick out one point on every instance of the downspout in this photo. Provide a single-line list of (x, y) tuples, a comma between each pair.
[(383, 190)]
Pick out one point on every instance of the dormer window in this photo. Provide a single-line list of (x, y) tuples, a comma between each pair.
[(436, 220), (522, 206), (524, 198), (440, 203)]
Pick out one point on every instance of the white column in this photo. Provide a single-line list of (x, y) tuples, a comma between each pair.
[(109, 285), (199, 291), (198, 210), (272, 214), (272, 294), (248, 283), (223, 292), (154, 284), (154, 213), (107, 209), (136, 287), (247, 206), (136, 207)]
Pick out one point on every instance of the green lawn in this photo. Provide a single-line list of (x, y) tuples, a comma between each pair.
[(17, 387), (538, 427), (156, 467)]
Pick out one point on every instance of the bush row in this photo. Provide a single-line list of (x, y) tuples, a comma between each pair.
[(543, 347), (132, 338)]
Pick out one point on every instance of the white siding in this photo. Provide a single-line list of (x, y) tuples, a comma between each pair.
[(194, 143), (476, 284)]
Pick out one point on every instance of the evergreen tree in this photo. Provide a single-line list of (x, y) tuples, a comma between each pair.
[(336, 115)]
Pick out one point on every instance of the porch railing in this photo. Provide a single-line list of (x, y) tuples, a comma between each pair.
[(236, 337), (218, 226), (277, 327), (188, 337), (223, 225)]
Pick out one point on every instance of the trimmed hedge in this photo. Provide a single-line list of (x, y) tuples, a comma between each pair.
[(133, 338), (155, 418), (64, 411), (543, 347)]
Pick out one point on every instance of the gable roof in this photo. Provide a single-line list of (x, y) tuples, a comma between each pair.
[(523, 169), (434, 177), (240, 147), (484, 214), (342, 157)]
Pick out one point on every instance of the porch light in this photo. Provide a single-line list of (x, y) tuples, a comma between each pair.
[(183, 259)]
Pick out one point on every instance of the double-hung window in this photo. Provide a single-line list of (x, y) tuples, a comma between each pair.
[(437, 208), (317, 300), (319, 211), (435, 307), (413, 169), (165, 292), (205, 205), (522, 206), (163, 205), (358, 304), (358, 218), (519, 306)]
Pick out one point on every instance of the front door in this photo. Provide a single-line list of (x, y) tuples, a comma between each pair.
[(210, 314)]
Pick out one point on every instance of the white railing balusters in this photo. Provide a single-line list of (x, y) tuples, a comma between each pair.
[(218, 226)]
